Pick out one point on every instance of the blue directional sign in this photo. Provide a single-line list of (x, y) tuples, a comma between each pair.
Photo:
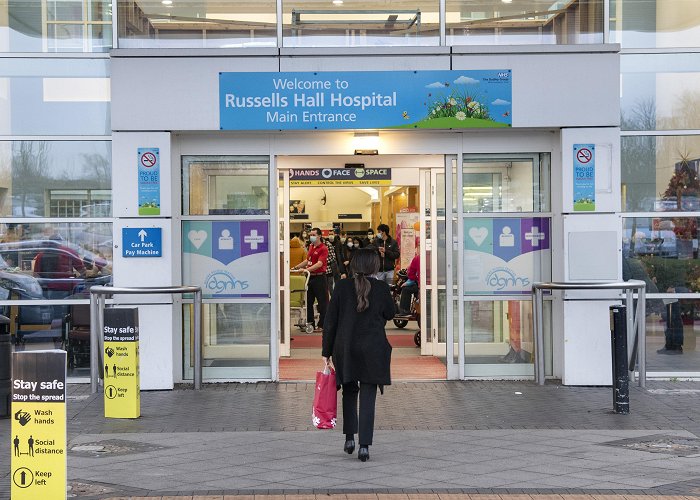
[(142, 242)]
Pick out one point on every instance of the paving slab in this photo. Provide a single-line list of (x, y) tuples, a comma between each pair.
[(434, 440)]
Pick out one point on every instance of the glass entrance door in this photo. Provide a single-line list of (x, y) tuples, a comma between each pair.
[(227, 250), (505, 234)]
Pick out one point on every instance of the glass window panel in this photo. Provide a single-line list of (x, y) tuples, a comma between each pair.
[(505, 184), (55, 179), (225, 185), (65, 37), (499, 22), (197, 23), (236, 341), (360, 23), (662, 251), (50, 25), (672, 329), (660, 92), (100, 37), (655, 23), (500, 333), (55, 260), (41, 98), (64, 327), (64, 10), (660, 173), (100, 10)]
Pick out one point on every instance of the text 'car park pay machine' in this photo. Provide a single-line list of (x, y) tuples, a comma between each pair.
[(121, 358)]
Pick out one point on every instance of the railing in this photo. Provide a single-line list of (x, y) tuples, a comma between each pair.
[(97, 306), (636, 321)]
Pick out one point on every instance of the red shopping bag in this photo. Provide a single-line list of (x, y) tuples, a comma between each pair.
[(325, 407)]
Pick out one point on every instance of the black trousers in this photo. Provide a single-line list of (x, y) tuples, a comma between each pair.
[(368, 397), (406, 293), (318, 290)]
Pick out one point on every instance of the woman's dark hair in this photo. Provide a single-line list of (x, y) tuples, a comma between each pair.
[(359, 242), (365, 262)]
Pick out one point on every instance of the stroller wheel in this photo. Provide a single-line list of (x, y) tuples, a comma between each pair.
[(309, 328), (416, 338), (400, 323)]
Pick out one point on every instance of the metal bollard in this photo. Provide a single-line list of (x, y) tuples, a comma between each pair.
[(5, 366), (620, 371)]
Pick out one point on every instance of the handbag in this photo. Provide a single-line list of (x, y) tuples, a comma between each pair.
[(325, 407)]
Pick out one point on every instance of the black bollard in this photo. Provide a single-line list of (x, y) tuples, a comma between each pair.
[(620, 372), (5, 366)]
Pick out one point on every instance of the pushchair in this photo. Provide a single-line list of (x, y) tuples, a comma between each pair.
[(400, 321), (298, 284)]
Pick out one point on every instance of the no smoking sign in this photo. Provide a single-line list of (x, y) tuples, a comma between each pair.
[(584, 155), (148, 159)]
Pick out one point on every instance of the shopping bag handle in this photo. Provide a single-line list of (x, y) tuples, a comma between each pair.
[(327, 366)]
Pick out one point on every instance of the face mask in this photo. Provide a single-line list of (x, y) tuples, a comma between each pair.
[(349, 244), (380, 235), (312, 239), (331, 238), (303, 235), (370, 235)]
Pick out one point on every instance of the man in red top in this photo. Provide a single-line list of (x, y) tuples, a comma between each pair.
[(316, 263)]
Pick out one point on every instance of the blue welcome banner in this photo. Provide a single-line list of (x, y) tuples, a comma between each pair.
[(366, 100)]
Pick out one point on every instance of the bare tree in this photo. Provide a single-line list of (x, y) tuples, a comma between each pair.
[(29, 166), (98, 168)]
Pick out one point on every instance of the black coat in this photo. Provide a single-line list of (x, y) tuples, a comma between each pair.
[(357, 341)]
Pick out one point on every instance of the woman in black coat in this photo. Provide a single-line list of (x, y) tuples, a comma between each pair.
[(354, 335)]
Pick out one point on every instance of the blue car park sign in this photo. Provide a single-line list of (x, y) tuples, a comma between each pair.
[(142, 242)]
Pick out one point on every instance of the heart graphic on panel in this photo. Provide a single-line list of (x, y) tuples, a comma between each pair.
[(478, 234), (197, 238)]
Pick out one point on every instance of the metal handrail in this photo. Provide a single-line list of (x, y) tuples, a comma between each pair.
[(97, 305), (636, 321)]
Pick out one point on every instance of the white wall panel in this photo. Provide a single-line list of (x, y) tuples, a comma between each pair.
[(549, 89)]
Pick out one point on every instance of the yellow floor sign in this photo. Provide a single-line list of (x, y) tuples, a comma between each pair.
[(38, 439), (121, 370)]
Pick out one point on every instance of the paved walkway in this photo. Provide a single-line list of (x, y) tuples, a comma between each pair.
[(433, 438)]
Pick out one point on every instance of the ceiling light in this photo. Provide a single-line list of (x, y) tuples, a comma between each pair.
[(507, 1), (167, 2), (337, 2)]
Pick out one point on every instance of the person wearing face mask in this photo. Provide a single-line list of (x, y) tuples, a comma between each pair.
[(388, 250), (369, 240), (317, 264), (349, 250)]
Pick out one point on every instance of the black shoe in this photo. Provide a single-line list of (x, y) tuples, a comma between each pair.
[(363, 454), (349, 446), (673, 350)]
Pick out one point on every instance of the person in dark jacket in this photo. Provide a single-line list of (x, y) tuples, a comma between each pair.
[(354, 336), (388, 250)]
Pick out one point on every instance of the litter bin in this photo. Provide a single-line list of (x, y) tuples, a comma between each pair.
[(5, 366)]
